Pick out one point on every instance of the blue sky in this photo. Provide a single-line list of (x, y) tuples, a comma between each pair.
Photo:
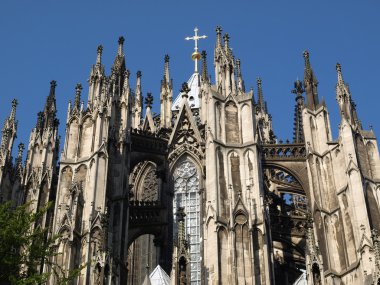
[(46, 40)]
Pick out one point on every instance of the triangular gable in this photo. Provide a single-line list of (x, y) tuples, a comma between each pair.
[(239, 206), (185, 127), (96, 221), (352, 166), (159, 277), (365, 241), (148, 124), (231, 98)]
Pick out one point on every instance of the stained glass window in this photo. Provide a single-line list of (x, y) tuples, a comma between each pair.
[(186, 195)]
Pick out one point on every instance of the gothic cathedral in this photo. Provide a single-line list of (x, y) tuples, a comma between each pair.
[(204, 192)]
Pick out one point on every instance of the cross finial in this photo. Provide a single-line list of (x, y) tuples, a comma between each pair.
[(196, 55)]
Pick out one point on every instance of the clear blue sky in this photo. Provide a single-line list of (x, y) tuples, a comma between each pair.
[(45, 40)]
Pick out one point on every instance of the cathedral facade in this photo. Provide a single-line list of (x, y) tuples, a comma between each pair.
[(204, 192)]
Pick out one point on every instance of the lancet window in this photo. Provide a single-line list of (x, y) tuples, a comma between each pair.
[(186, 195)]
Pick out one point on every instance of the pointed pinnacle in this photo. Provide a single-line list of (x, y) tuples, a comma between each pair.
[(204, 66), (13, 111), (238, 67), (298, 89), (138, 74), (121, 42), (99, 56), (260, 99), (166, 68), (53, 84), (226, 39), (306, 57), (338, 68), (78, 90), (218, 35), (21, 148)]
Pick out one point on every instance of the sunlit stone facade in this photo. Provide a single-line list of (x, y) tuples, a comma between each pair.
[(205, 190)]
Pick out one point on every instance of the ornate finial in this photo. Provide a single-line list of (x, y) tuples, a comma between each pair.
[(204, 66), (149, 100), (226, 39), (78, 90), (166, 69), (53, 84), (121, 42), (218, 36), (298, 89), (196, 55), (260, 99), (185, 90), (14, 103), (338, 68), (306, 57), (21, 148), (138, 73), (258, 80), (40, 120), (13, 111), (238, 67), (99, 57)]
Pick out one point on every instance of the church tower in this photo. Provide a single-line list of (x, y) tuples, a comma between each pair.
[(10, 175), (40, 179)]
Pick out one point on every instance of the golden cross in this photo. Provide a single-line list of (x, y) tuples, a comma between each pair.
[(196, 55)]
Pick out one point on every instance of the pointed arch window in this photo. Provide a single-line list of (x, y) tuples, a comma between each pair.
[(186, 195)]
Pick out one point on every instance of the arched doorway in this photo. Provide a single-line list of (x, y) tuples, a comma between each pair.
[(142, 259)]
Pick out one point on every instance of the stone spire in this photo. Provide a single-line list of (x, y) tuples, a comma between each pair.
[(310, 82), (346, 105), (10, 127), (50, 107), (12, 116), (240, 80), (40, 121), (126, 87), (166, 70), (204, 67), (298, 136), (226, 39), (119, 62), (97, 76), (260, 97), (137, 105), (99, 55), (166, 96), (120, 49), (218, 36), (78, 90), (21, 148)]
